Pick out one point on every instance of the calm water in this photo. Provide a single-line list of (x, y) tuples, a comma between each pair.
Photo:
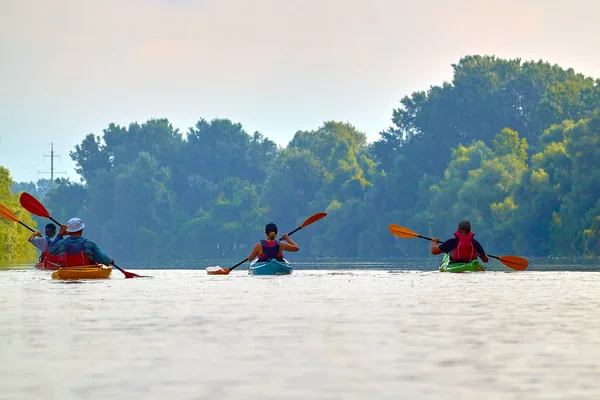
[(354, 333)]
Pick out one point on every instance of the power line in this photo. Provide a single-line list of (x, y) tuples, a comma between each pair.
[(52, 157)]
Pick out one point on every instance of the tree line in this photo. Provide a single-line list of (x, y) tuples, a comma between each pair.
[(510, 145), (14, 247)]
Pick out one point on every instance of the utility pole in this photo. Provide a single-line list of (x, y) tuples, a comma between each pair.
[(52, 156)]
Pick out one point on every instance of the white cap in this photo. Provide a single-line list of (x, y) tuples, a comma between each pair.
[(75, 225)]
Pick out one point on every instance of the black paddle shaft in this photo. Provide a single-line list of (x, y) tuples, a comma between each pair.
[(238, 264), (26, 226), (55, 221), (292, 232), (425, 237)]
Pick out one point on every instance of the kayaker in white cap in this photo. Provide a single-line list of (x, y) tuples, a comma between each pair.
[(75, 249), (270, 248), (462, 247)]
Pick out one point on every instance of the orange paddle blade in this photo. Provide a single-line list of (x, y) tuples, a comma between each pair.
[(514, 262), (7, 214), (313, 218), (402, 232), (217, 271)]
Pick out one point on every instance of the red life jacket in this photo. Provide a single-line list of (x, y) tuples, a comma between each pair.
[(47, 257), (77, 259), (464, 251), (270, 250)]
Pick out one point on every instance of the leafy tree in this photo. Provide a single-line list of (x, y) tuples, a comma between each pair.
[(14, 246), (510, 145)]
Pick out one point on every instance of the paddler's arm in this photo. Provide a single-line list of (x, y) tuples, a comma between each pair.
[(435, 249), (290, 245), (480, 251), (98, 255), (36, 233), (255, 251), (58, 246), (38, 241)]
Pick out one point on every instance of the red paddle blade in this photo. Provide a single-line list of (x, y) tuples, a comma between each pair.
[(31, 204), (130, 274), (313, 218), (514, 262), (126, 273)]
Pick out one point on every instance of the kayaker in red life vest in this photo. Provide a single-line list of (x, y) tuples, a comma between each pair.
[(462, 247), (43, 243), (271, 248), (75, 249)]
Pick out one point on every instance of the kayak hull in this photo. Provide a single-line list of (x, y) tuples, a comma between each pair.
[(447, 266), (84, 272), (272, 267), (47, 265)]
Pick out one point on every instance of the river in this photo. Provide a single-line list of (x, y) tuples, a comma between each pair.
[(346, 330)]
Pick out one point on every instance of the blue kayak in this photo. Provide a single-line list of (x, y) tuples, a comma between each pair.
[(272, 267)]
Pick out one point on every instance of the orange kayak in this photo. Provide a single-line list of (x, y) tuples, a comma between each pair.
[(99, 271)]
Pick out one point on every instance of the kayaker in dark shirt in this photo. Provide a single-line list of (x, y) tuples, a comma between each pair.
[(462, 248), (270, 248)]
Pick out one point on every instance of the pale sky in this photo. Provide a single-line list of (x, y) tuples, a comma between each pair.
[(70, 67)]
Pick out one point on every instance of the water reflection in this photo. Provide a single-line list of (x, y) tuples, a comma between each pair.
[(591, 264), (400, 264), (9, 266)]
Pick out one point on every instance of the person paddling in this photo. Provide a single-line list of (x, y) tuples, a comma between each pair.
[(75, 249), (268, 249), (43, 243), (462, 247)]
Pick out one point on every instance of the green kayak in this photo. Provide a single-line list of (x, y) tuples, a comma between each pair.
[(472, 266)]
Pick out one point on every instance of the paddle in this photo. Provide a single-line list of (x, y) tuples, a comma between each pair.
[(32, 205), (225, 271), (9, 215), (128, 274), (514, 262)]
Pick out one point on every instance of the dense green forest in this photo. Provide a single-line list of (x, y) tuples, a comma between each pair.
[(14, 247), (512, 146)]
